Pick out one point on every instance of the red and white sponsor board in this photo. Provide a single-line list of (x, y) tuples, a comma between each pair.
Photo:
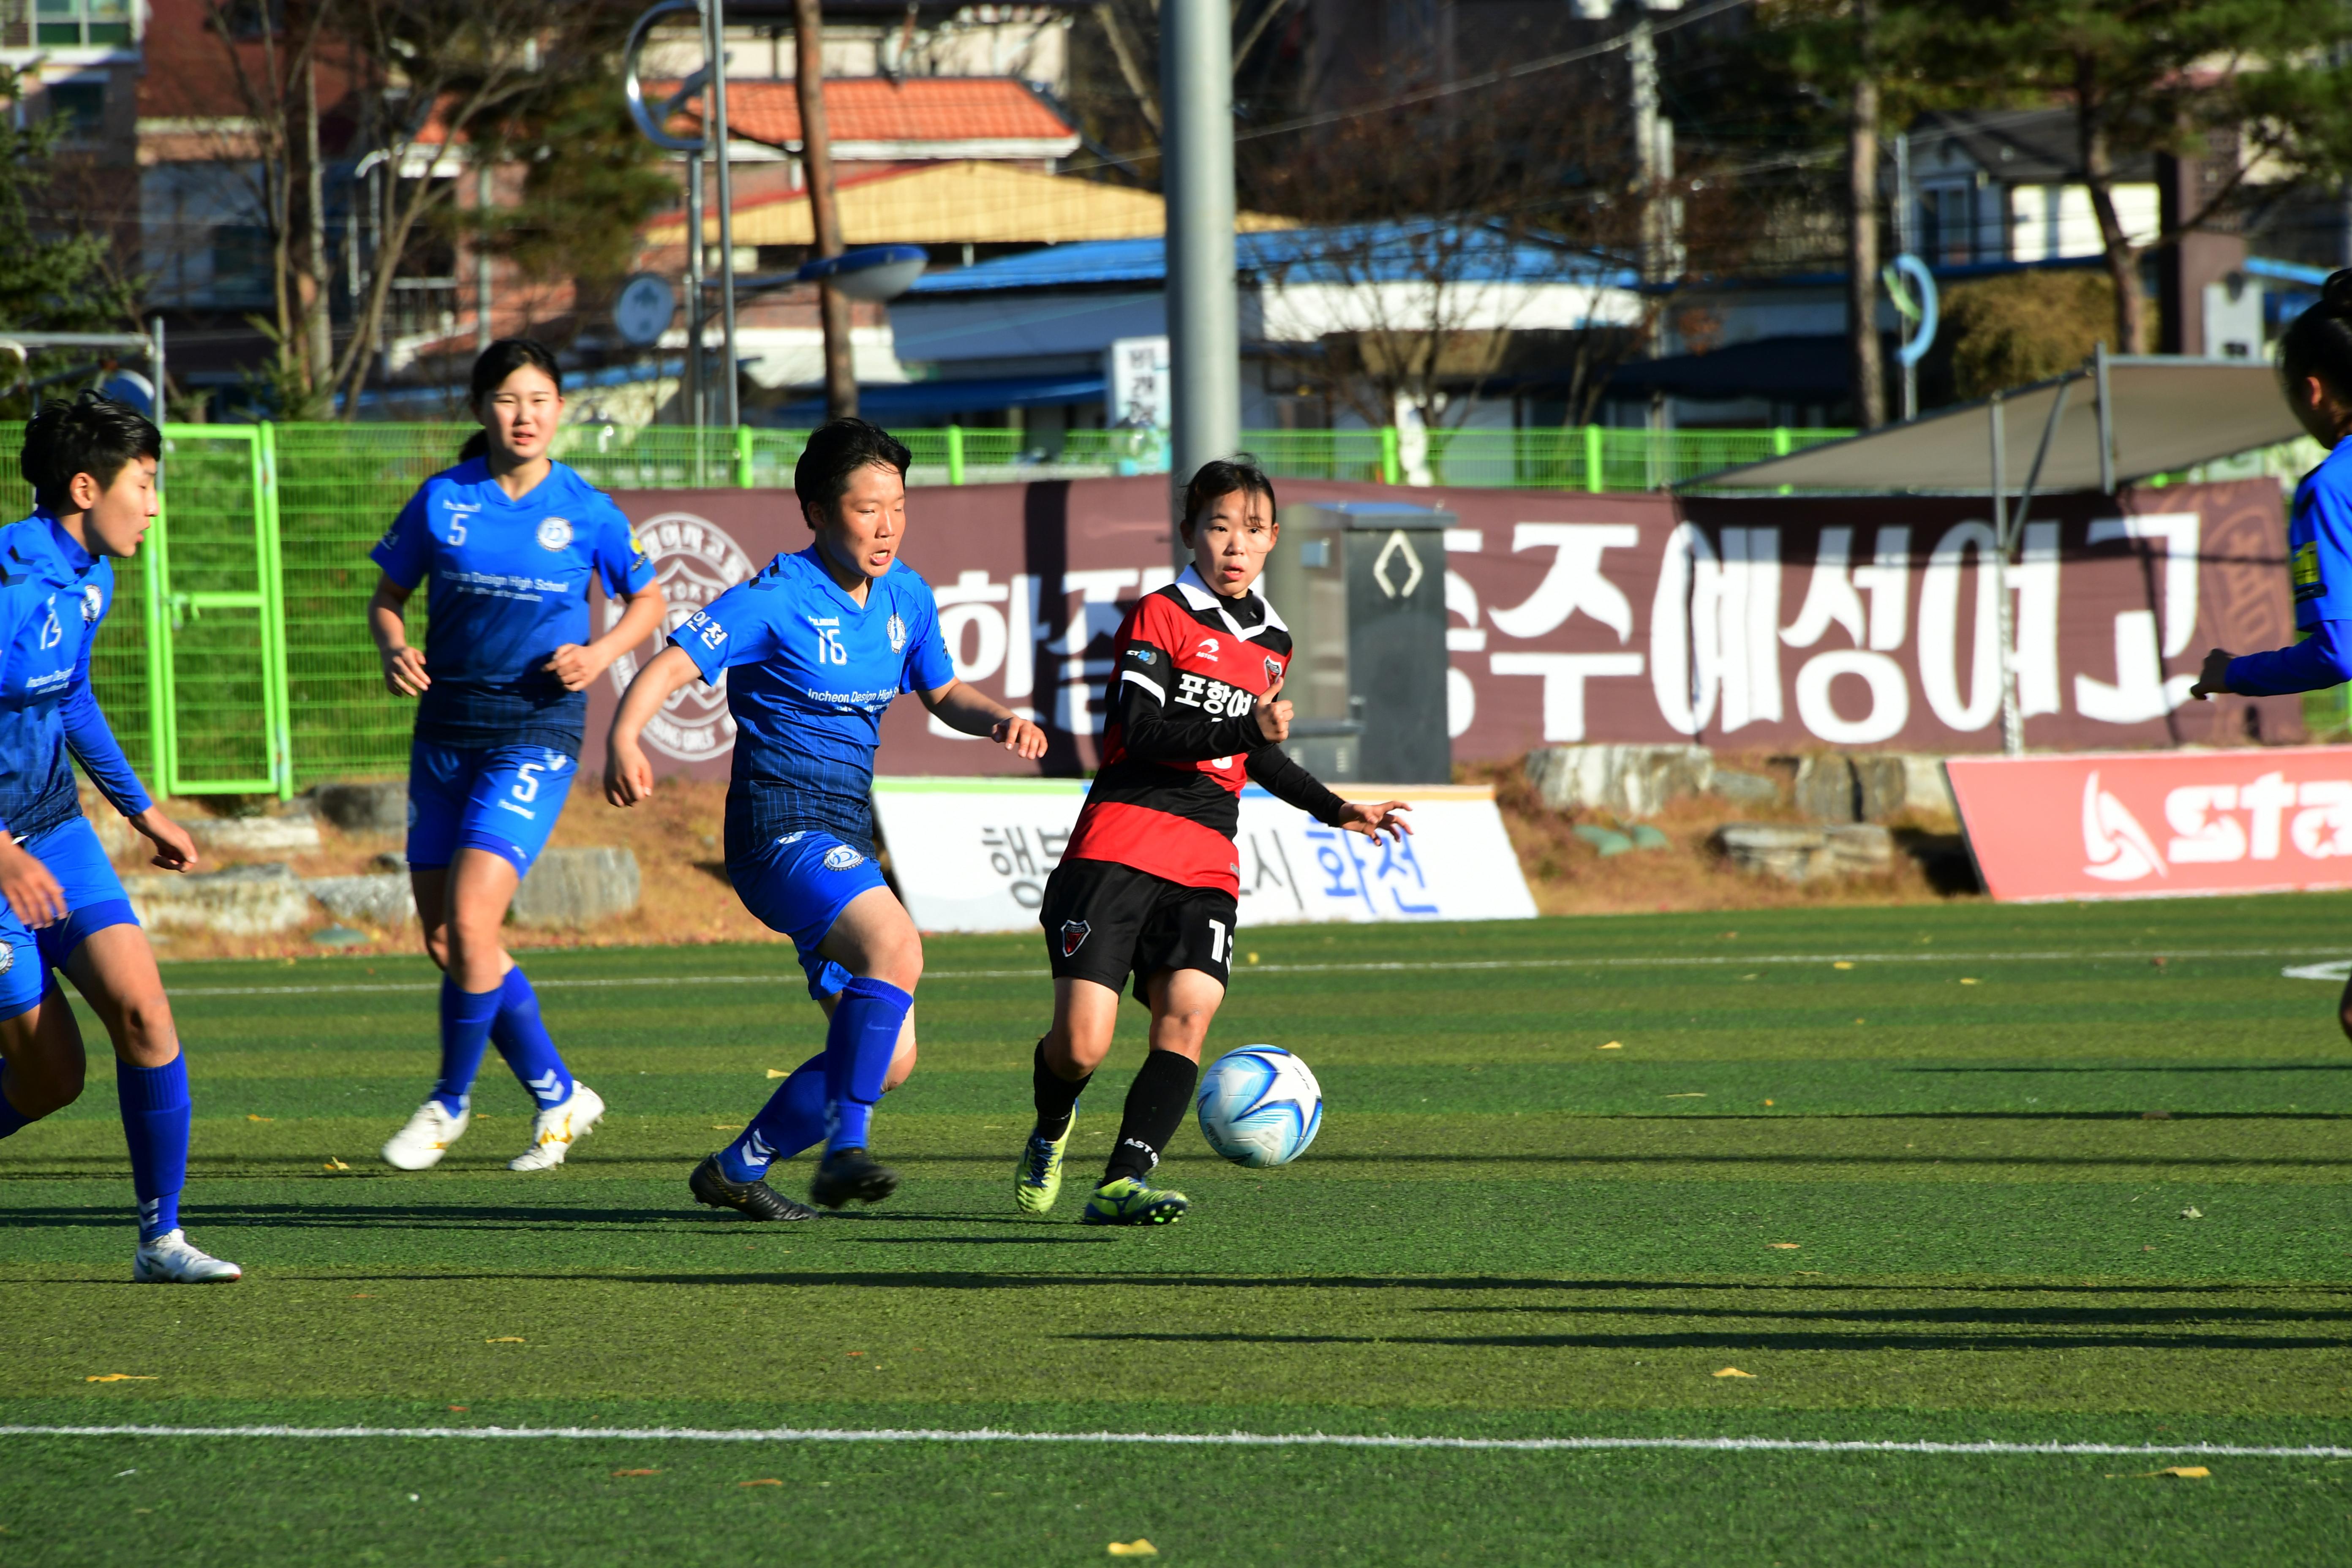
[(2158, 825)]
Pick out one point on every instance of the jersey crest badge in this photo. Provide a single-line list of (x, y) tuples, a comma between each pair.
[(1073, 936), (554, 533), (92, 604), (7, 957), (897, 635), (1273, 672), (841, 857)]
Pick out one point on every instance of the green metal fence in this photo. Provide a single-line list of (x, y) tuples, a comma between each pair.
[(237, 659)]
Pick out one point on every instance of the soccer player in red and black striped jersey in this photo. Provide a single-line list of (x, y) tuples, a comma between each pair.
[(1147, 888)]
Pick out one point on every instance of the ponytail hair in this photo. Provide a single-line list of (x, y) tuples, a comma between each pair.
[(2319, 342), (491, 368)]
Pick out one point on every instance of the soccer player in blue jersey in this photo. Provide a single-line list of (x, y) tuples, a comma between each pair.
[(91, 465), (2315, 370), (812, 651), (511, 540)]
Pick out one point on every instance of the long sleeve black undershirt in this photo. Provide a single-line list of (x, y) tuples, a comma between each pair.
[(1153, 730)]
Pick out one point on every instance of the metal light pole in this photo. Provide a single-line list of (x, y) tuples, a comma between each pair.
[(1204, 348), (693, 366), (714, 34)]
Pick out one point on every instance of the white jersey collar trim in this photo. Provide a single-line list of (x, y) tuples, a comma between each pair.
[(1198, 596)]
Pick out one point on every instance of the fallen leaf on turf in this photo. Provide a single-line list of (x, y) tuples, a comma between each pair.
[(124, 1377), (334, 1165), (2192, 1213), (1967, 982), (1252, 958), (856, 1353), (461, 1409), (1694, 1094), (1733, 1372), (1767, 1102), (1785, 1246), (364, 1297), (1842, 964), (1809, 1272), (618, 1473), (505, 1340), (762, 1481), (1612, 1045), (722, 1127), (250, 1117), (777, 1072), (1139, 1547), (2179, 1472)]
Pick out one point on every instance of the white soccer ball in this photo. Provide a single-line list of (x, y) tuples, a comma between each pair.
[(1259, 1106)]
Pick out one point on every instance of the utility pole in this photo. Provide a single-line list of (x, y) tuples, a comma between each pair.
[(696, 312), (1196, 95), (824, 211), (1869, 367), (482, 178), (1906, 244), (1653, 152)]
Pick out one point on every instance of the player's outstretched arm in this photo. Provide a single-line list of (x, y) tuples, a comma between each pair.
[(575, 666), (2320, 660), (404, 667), (628, 776), (970, 711), (1274, 770)]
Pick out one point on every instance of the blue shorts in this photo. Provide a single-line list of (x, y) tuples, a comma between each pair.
[(799, 885), (504, 799), (93, 895)]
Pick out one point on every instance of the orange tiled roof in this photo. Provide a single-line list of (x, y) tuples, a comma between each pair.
[(871, 109)]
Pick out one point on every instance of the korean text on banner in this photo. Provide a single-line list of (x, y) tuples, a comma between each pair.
[(2124, 825), (974, 855)]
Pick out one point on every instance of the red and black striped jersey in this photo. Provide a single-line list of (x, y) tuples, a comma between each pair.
[(1189, 671)]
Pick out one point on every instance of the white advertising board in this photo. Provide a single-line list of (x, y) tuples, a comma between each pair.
[(972, 855)]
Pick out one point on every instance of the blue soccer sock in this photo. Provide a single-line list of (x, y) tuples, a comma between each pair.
[(859, 1047), (792, 1120), (466, 1017), (11, 1118), (155, 1117), (523, 1039)]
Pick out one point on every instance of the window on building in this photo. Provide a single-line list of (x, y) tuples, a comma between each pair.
[(1946, 223), (83, 105), (82, 24)]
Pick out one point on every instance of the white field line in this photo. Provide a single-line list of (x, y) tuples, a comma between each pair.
[(1691, 962), (1198, 1440)]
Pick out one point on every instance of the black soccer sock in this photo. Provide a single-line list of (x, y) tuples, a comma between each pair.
[(1057, 1096), (1155, 1109)]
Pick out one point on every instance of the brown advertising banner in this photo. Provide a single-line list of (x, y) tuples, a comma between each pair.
[(1782, 623)]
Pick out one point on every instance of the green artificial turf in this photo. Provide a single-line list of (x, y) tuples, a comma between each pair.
[(1941, 1174)]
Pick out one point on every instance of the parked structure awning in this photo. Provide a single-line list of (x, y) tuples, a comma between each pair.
[(2153, 414)]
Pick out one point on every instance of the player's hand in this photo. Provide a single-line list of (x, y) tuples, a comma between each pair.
[(174, 850), (1373, 820), (1274, 716), (2214, 680), (1020, 736), (628, 776), (33, 894), (403, 672), (575, 667)]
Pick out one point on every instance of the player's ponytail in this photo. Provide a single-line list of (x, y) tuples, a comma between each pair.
[(2319, 342), (491, 368)]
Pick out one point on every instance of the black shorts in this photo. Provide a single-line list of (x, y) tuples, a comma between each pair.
[(1106, 923)]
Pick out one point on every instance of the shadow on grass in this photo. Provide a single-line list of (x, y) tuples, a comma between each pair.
[(1760, 1342)]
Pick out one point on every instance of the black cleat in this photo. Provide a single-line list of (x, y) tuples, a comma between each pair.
[(752, 1200), (847, 1174)]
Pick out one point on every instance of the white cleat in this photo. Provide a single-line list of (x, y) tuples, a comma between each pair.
[(420, 1145), (168, 1259), (556, 1129)]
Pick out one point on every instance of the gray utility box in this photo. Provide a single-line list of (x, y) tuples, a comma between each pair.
[(1363, 587)]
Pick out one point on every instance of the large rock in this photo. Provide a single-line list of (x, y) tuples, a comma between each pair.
[(375, 900), (1631, 780), (1826, 787), (379, 805), (577, 887), (248, 901), (252, 835), (1802, 854)]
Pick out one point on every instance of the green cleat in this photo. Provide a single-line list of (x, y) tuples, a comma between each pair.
[(1128, 1201), (1037, 1181)]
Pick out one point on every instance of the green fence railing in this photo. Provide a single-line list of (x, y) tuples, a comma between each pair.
[(237, 659)]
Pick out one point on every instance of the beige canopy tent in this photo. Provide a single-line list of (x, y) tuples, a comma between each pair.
[(2115, 420)]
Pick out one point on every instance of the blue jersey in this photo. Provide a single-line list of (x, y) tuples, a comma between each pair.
[(809, 672), (510, 586), (54, 596), (2319, 540)]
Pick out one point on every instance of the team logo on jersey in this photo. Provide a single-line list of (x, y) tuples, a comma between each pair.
[(554, 533), (1272, 672), (898, 634), (93, 603), (8, 956), (1073, 936), (695, 562), (841, 857), (1142, 655)]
